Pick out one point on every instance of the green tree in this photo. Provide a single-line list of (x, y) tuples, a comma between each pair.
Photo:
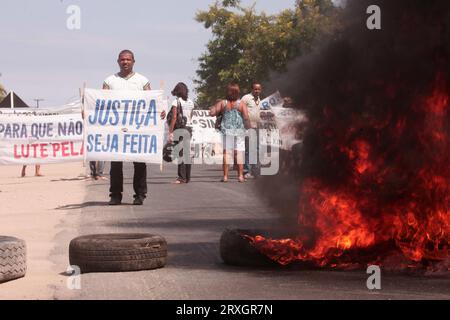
[(247, 45), (2, 92)]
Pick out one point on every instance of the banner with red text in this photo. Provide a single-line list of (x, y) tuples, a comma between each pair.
[(38, 136)]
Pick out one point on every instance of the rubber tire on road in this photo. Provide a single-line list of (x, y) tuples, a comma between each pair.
[(13, 259), (118, 252), (236, 250)]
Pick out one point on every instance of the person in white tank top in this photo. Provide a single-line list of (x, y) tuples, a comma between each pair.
[(133, 81), (127, 79)]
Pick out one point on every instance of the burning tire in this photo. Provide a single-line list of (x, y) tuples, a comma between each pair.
[(118, 252), (236, 250), (13, 263)]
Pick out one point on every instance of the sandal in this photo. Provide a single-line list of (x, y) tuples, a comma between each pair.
[(242, 180), (224, 180)]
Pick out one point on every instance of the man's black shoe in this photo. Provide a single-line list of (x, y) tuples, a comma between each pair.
[(115, 202), (138, 201)]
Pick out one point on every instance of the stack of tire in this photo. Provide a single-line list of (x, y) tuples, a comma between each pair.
[(13, 259)]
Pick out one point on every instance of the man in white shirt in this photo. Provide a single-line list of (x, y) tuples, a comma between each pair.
[(252, 101), (127, 79)]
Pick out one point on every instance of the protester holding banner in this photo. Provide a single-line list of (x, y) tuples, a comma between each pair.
[(129, 80), (253, 103), (179, 118), (234, 122)]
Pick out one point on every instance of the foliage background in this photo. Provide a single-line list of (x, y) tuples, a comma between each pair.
[(247, 46)]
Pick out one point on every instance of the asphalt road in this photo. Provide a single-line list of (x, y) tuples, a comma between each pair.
[(192, 218)]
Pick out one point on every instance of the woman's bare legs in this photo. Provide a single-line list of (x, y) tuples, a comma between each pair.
[(240, 161), (225, 166), (38, 171)]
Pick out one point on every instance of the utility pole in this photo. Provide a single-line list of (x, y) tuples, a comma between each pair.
[(37, 102)]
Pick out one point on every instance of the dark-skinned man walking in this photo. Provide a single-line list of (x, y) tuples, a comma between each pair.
[(253, 101)]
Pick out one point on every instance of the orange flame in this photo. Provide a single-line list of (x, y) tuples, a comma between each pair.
[(347, 217)]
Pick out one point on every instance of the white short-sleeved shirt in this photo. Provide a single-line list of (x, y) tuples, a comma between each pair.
[(134, 82), (187, 106), (254, 109)]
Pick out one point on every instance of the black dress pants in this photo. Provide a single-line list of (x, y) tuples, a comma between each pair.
[(184, 169), (139, 180)]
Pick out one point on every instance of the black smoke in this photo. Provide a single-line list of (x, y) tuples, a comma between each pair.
[(365, 84)]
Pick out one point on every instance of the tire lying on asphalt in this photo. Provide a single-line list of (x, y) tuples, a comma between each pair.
[(236, 250), (118, 252), (13, 259)]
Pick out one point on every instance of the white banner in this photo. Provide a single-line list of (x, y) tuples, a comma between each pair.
[(124, 126), (269, 134), (204, 128), (38, 136), (71, 108), (288, 122), (273, 101)]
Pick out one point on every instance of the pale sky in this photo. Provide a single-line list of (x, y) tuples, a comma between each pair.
[(41, 58)]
